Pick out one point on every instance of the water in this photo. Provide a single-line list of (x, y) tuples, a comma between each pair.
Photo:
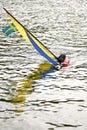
[(33, 95)]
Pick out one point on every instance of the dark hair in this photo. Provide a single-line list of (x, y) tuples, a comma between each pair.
[(61, 58)]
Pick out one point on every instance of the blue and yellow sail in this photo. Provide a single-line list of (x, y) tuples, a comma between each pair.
[(31, 39)]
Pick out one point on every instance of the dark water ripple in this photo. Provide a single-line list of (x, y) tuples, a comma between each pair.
[(33, 94)]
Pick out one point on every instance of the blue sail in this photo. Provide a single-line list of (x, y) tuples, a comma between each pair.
[(31, 39), (41, 51)]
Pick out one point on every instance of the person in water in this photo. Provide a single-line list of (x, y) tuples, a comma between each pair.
[(63, 60)]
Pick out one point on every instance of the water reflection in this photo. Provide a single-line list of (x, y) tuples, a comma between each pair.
[(39, 73), (26, 86)]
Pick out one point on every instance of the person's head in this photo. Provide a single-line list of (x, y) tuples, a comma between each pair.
[(63, 60)]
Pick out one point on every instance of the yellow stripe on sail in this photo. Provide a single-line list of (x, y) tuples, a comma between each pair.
[(20, 28), (23, 31), (45, 50)]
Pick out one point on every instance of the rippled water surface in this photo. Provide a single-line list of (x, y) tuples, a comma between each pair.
[(33, 95)]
